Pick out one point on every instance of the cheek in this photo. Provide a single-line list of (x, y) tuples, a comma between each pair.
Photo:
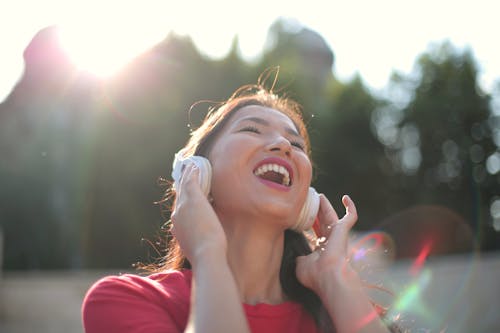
[(226, 166), (306, 168)]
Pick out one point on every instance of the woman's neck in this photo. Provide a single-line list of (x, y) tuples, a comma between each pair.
[(254, 256)]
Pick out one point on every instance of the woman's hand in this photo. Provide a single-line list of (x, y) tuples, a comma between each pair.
[(329, 261), (195, 224), (328, 273)]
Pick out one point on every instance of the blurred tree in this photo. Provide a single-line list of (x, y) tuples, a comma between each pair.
[(348, 156), (305, 61), (43, 125), (147, 119), (440, 140)]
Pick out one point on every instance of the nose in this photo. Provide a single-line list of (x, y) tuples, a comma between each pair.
[(280, 144)]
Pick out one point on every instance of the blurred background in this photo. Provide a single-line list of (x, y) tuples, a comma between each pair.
[(402, 101)]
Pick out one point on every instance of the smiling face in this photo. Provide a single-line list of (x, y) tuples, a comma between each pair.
[(260, 166)]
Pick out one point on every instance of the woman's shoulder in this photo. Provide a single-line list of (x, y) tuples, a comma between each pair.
[(139, 299), (168, 283)]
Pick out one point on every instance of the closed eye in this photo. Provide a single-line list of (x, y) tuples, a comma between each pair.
[(250, 129), (297, 144)]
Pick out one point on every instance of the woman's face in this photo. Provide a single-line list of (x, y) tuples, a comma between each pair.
[(260, 166)]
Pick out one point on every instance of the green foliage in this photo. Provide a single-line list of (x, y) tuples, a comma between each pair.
[(445, 138), (451, 114), (81, 161), (344, 144)]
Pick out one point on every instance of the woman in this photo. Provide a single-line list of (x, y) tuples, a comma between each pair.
[(235, 264)]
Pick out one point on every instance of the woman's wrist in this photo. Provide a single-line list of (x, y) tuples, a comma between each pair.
[(344, 296), (336, 280), (209, 255)]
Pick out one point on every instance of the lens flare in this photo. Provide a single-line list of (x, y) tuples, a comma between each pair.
[(366, 320), (117, 112), (371, 250), (420, 260), (410, 300)]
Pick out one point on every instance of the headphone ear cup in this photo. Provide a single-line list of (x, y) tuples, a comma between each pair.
[(309, 211), (203, 164)]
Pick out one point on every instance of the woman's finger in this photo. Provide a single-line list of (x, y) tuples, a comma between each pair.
[(351, 214), (338, 239), (185, 196), (326, 216), (189, 177)]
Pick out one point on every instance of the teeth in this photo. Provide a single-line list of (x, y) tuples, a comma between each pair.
[(276, 168)]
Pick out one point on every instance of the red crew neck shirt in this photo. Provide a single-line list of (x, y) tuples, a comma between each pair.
[(159, 303)]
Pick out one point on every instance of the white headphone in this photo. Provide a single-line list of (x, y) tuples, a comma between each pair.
[(307, 214)]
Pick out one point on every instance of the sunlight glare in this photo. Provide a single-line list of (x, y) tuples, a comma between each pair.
[(101, 51), (111, 38)]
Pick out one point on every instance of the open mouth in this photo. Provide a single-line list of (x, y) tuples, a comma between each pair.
[(275, 173)]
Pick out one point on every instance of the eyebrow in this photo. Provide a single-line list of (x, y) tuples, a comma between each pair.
[(264, 122)]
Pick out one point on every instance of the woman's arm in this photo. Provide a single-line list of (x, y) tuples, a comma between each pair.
[(327, 272), (343, 295), (215, 301)]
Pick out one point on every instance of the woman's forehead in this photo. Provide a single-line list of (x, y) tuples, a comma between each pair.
[(264, 115)]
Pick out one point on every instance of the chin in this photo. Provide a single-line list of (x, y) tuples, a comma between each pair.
[(278, 211)]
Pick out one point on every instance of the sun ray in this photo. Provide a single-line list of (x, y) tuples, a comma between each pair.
[(102, 40)]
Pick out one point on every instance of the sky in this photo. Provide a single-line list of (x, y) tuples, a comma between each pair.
[(371, 38)]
